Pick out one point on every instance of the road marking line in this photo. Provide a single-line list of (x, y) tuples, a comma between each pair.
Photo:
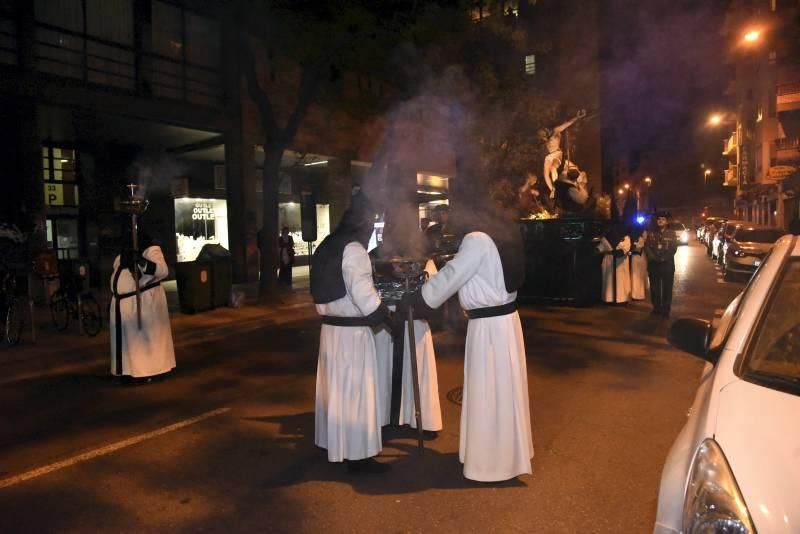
[(108, 449)]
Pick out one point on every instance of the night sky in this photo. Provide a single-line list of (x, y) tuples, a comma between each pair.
[(664, 72)]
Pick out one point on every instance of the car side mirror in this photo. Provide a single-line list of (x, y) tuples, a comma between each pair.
[(692, 336)]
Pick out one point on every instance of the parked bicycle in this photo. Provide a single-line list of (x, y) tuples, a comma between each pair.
[(11, 312), (68, 302)]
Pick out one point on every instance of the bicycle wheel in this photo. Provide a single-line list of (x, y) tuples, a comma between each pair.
[(91, 318), (59, 310), (14, 321)]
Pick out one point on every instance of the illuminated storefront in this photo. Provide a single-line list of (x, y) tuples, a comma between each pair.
[(199, 222), (289, 214)]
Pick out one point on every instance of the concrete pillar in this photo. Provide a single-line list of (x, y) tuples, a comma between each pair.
[(340, 185)]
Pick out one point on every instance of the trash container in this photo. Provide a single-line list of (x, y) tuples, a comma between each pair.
[(221, 273), (194, 286), (562, 264)]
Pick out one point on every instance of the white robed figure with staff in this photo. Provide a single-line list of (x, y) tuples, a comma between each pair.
[(495, 440), (143, 349)]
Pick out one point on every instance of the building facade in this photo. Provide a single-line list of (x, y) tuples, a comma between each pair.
[(763, 149), (99, 94)]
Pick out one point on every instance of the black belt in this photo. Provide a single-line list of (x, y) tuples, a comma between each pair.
[(122, 296), (492, 311), (347, 321)]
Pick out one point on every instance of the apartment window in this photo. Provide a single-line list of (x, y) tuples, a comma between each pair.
[(185, 50), (8, 33), (219, 177), (530, 64), (87, 39), (59, 172)]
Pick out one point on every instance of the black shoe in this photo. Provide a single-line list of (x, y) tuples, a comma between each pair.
[(369, 465), (429, 435)]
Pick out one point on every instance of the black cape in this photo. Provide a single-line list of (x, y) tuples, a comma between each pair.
[(327, 281)]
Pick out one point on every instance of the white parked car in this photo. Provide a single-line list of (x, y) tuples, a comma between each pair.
[(735, 466)]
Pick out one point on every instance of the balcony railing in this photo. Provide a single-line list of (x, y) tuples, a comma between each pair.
[(731, 176), (788, 96), (787, 150), (729, 145), (98, 62)]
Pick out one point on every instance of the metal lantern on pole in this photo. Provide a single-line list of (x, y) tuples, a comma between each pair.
[(135, 206), (404, 276)]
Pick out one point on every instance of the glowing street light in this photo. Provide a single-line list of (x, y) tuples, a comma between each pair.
[(707, 173), (715, 119), (627, 186), (752, 36), (620, 191), (648, 180)]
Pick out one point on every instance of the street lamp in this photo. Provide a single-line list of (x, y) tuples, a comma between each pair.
[(648, 180), (715, 119), (627, 186), (620, 192), (752, 36)]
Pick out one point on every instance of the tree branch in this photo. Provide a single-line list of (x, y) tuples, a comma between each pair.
[(311, 78), (258, 95)]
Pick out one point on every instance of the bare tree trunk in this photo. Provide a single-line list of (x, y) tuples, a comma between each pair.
[(269, 229)]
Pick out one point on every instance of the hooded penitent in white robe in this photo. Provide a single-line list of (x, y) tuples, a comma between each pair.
[(347, 418), (639, 281), (426, 367), (149, 351), (623, 271), (495, 439)]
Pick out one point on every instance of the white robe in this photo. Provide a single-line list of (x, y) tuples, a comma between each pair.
[(149, 351), (495, 440), (347, 420), (639, 281), (623, 271), (426, 366)]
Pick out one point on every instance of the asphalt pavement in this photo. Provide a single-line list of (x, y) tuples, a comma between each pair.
[(226, 444)]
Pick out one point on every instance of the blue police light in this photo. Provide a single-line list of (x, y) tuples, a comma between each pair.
[(640, 219)]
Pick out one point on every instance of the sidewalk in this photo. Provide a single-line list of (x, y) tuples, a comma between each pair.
[(69, 351)]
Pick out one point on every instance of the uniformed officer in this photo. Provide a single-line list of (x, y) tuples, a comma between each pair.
[(660, 248)]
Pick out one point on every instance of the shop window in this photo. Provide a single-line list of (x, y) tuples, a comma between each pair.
[(63, 237), (198, 222), (289, 215), (60, 176)]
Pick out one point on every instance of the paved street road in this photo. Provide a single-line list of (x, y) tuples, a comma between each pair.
[(227, 444)]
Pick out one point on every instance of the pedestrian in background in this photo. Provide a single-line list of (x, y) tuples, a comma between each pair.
[(286, 256), (660, 248)]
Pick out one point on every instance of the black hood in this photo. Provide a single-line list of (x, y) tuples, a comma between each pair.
[(327, 283)]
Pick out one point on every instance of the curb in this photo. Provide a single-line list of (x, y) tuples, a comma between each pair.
[(182, 337)]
